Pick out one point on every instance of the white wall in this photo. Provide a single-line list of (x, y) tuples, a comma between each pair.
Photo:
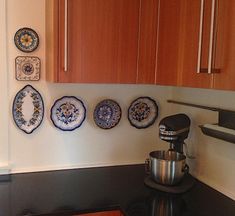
[(49, 148), (4, 153), (215, 158)]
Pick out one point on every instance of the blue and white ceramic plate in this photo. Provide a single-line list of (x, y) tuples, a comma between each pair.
[(28, 109), (27, 68), (142, 112), (107, 114), (26, 40), (68, 113)]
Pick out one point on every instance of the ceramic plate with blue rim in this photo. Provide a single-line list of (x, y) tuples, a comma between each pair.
[(28, 109), (27, 68), (143, 112), (107, 114), (68, 113), (26, 40)]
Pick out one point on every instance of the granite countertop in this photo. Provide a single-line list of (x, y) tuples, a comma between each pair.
[(63, 192)]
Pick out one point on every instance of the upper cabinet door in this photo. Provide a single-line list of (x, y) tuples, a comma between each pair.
[(225, 45), (208, 45), (168, 42), (148, 32), (101, 41), (178, 43), (194, 42)]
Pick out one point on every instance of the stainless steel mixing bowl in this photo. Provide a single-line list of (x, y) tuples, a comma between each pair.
[(167, 167)]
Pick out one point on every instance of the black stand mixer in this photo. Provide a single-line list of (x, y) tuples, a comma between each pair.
[(168, 170), (175, 129)]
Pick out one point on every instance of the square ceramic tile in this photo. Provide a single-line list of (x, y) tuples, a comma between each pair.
[(27, 68)]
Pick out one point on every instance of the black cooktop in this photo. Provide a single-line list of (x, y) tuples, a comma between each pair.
[(77, 191)]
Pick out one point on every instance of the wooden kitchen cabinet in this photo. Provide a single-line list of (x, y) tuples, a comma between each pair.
[(168, 42), (178, 44), (189, 45), (225, 47), (101, 41)]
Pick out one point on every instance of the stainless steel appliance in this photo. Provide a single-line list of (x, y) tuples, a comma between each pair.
[(168, 168)]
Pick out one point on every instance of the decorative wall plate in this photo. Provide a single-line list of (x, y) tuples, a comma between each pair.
[(68, 113), (107, 114), (142, 112), (27, 68), (28, 109), (26, 40)]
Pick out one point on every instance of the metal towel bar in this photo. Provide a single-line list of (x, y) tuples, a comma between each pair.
[(224, 129), (216, 109)]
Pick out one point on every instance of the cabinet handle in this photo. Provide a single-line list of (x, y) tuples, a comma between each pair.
[(210, 57), (200, 37), (210, 68), (66, 35)]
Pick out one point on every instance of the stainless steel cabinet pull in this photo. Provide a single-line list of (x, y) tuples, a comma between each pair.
[(210, 58), (66, 35), (210, 68), (200, 37)]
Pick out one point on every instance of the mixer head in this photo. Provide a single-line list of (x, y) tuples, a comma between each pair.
[(174, 129)]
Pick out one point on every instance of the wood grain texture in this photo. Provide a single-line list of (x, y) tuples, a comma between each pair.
[(147, 41), (168, 42), (189, 38), (225, 46), (104, 213), (103, 41), (52, 46)]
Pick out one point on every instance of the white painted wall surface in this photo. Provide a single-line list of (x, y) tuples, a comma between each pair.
[(48, 148), (4, 153), (215, 158)]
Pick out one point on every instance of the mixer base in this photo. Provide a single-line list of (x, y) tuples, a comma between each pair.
[(186, 183)]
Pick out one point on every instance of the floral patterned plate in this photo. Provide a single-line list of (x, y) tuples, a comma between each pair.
[(28, 109), (26, 40), (27, 68), (142, 112), (107, 114), (68, 113)]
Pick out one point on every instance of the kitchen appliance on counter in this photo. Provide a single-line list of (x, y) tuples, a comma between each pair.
[(175, 129), (168, 170)]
